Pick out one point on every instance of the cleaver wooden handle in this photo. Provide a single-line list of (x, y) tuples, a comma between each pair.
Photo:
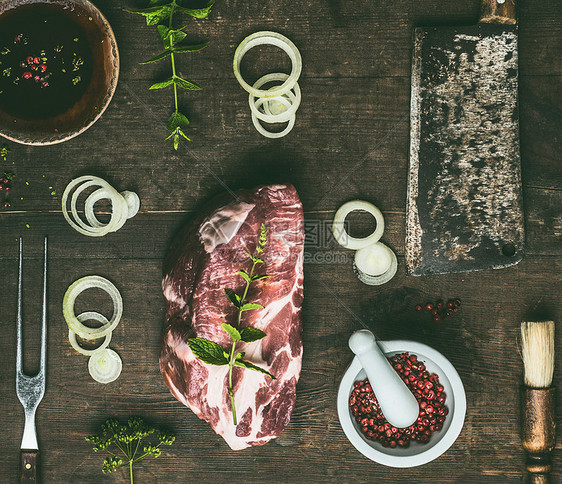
[(493, 12)]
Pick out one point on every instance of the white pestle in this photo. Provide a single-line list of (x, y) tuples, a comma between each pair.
[(397, 403)]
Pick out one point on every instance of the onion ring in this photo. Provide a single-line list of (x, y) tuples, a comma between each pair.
[(85, 317), (277, 40), (123, 206), (269, 134), (370, 279), (83, 183), (105, 366), (69, 299), (96, 196), (284, 116), (341, 235), (133, 203)]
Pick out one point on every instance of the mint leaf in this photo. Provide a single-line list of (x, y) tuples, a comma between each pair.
[(232, 331), (208, 351), (244, 275), (190, 48), (260, 277), (163, 84), (251, 366), (176, 36), (197, 12), (234, 298), (178, 81), (163, 31), (158, 57), (176, 120), (173, 35), (155, 14), (255, 259), (183, 134), (251, 334), (248, 306)]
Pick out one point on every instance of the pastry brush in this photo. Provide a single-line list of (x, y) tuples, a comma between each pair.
[(538, 419)]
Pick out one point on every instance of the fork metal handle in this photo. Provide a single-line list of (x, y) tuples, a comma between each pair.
[(29, 439)]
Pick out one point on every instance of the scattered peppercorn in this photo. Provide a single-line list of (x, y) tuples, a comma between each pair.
[(440, 310), (6, 186)]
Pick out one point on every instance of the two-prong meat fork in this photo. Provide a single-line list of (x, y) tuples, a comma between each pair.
[(30, 390)]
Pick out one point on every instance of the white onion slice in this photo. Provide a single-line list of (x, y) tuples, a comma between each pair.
[(72, 320), (270, 134), (133, 203), (123, 206), (88, 315), (282, 113), (105, 366), (341, 235), (277, 40), (274, 108), (86, 229), (118, 206), (376, 264)]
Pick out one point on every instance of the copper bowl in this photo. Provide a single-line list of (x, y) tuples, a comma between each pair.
[(86, 110)]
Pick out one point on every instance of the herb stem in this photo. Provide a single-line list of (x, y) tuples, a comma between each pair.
[(131, 470), (121, 449), (246, 292), (232, 355), (136, 449), (109, 452), (172, 56)]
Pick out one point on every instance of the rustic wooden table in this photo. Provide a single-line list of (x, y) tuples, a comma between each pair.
[(350, 141)]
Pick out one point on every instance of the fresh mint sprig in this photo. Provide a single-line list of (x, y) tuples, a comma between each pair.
[(125, 443), (161, 14), (214, 354)]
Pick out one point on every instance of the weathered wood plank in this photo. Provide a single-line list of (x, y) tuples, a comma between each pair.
[(152, 232), (363, 126)]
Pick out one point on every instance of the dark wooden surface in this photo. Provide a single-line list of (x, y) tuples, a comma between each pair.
[(350, 141)]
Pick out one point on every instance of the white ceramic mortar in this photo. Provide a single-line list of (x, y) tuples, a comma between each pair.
[(417, 453)]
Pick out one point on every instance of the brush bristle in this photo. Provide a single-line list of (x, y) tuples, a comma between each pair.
[(537, 351)]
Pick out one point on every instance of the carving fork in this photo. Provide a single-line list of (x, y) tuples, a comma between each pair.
[(30, 390)]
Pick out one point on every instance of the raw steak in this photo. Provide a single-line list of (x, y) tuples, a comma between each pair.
[(201, 263)]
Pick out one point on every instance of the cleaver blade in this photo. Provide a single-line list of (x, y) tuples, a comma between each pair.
[(464, 206)]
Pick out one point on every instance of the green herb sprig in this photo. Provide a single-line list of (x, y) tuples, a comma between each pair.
[(4, 150), (214, 354), (161, 14), (126, 443)]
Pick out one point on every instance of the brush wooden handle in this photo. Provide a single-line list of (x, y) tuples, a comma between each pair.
[(492, 12), (539, 431)]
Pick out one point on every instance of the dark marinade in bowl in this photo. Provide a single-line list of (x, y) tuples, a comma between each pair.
[(45, 61)]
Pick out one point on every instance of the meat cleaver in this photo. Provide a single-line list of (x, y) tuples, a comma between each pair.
[(464, 209)]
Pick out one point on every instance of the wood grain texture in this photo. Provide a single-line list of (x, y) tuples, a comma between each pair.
[(350, 141)]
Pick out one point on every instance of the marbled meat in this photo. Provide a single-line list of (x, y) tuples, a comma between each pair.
[(201, 263)]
